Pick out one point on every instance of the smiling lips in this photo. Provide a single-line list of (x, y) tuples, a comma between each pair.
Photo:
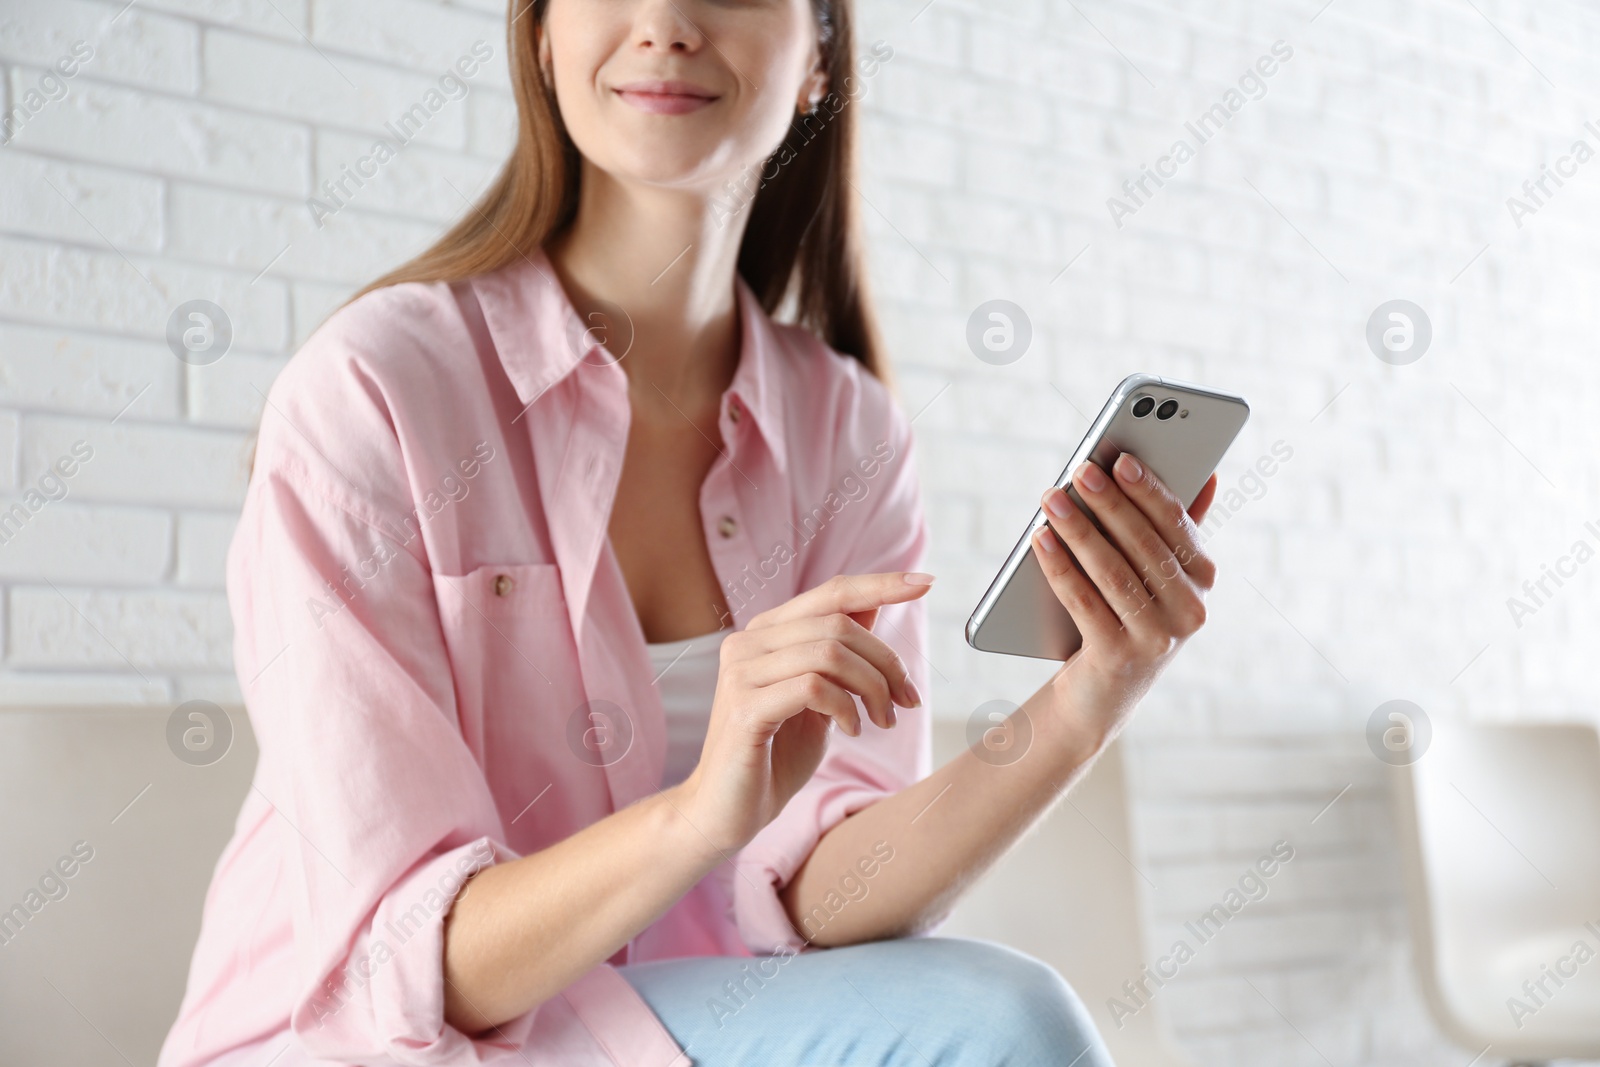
[(665, 97)]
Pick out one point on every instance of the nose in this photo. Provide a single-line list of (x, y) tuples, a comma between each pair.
[(665, 25)]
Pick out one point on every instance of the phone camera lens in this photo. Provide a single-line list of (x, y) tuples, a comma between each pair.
[(1168, 409), (1142, 406)]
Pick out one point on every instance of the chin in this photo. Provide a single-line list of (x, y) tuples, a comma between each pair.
[(670, 165)]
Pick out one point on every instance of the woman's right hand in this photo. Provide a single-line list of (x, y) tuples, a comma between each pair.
[(785, 680)]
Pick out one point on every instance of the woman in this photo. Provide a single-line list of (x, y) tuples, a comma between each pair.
[(574, 599)]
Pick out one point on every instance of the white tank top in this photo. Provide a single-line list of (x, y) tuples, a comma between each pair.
[(686, 677)]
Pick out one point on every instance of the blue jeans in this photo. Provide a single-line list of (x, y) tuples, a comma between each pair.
[(919, 1002)]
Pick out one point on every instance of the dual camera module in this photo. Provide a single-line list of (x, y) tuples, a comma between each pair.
[(1143, 405)]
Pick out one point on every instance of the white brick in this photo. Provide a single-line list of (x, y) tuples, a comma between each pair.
[(81, 204), (911, 152), (420, 34), (249, 232), (491, 125), (86, 373), (937, 34), (130, 45), (1154, 41), (66, 541), (292, 81), (105, 291), (313, 303), (1249, 940), (129, 128), (903, 270), (1016, 173), (275, 18), (203, 540), (57, 687), (141, 462), (419, 182), (151, 631), (905, 86), (232, 391), (1079, 73), (1308, 769), (10, 445)]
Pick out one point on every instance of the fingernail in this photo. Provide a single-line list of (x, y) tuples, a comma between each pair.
[(1046, 539), (892, 718), (1057, 503), (918, 578), (912, 693), (1128, 468), (1094, 479)]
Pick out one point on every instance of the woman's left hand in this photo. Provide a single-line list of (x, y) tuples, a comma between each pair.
[(1139, 594)]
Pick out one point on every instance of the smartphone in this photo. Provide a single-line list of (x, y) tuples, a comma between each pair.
[(1178, 430)]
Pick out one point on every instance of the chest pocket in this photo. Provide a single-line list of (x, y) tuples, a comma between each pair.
[(517, 682)]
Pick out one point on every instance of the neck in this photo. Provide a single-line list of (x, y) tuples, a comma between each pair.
[(664, 258)]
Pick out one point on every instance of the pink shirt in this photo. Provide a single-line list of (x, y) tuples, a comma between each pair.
[(444, 668)]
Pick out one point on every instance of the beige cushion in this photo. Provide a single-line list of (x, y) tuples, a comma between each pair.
[(116, 946)]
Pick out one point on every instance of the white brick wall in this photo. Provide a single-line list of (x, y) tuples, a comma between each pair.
[(1376, 564), (1386, 145)]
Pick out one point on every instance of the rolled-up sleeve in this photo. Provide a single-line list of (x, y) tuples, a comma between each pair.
[(883, 530), (383, 810)]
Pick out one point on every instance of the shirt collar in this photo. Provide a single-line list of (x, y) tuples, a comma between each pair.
[(541, 339)]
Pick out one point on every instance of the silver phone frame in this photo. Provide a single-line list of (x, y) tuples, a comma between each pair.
[(1092, 439)]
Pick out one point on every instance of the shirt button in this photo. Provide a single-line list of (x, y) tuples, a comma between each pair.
[(727, 526), (502, 585)]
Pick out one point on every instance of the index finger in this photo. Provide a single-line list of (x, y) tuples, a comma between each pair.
[(848, 594), (1167, 514)]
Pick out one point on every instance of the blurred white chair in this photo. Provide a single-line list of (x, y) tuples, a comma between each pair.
[(1500, 842), (1068, 894)]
